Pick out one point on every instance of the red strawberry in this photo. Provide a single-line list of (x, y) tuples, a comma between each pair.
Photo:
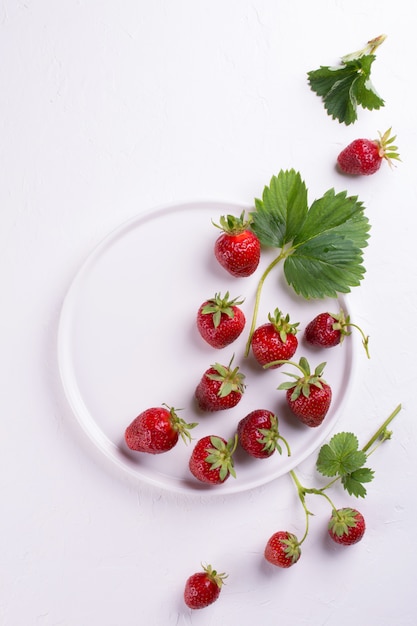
[(364, 157), (308, 396), (282, 549), (203, 588), (220, 388), (156, 430), (346, 526), (258, 434), (238, 249), (211, 460), (275, 340), (220, 321), (329, 329)]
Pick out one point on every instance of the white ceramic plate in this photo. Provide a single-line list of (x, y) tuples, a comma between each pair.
[(128, 341)]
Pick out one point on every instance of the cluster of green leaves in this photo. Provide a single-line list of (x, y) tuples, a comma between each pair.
[(322, 245), (344, 87), (342, 458)]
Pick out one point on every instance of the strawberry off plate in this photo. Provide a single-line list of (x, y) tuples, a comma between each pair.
[(128, 341)]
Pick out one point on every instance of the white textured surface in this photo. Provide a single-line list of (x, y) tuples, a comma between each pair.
[(110, 108)]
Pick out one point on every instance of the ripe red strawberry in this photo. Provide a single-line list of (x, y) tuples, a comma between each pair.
[(308, 396), (211, 460), (258, 434), (327, 330), (346, 526), (220, 321), (364, 156), (203, 588), (275, 340), (156, 430), (238, 249), (220, 388), (282, 549)]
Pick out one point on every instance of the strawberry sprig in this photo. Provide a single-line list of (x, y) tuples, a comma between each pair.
[(320, 246), (348, 85), (342, 460)]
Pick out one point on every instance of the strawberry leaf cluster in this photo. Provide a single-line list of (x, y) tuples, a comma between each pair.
[(344, 87), (321, 245), (342, 458)]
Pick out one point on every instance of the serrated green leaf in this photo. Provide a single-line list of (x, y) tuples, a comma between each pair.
[(282, 211), (327, 258), (345, 87), (340, 456), (322, 247), (353, 482)]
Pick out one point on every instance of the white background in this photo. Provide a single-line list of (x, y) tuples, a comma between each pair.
[(108, 109)]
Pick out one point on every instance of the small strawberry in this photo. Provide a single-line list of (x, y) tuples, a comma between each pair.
[(364, 157), (220, 321), (258, 434), (275, 340), (282, 549), (203, 588), (211, 460), (220, 388), (327, 330), (346, 526), (308, 396), (157, 430), (238, 249)]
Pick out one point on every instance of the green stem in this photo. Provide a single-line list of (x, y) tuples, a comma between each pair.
[(382, 432), (365, 339), (273, 263)]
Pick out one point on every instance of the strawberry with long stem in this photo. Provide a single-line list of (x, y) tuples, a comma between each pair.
[(346, 525)]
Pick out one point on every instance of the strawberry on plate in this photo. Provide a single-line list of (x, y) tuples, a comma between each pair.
[(346, 526), (211, 460), (327, 330), (276, 340), (220, 321), (258, 434), (237, 249), (203, 588), (308, 396), (363, 157), (282, 549), (157, 430), (220, 388)]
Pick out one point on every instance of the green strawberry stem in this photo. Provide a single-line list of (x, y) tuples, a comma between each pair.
[(365, 338), (282, 255), (381, 435)]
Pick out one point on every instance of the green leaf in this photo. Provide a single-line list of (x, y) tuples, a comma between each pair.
[(282, 211), (340, 456), (345, 87), (322, 246), (353, 482)]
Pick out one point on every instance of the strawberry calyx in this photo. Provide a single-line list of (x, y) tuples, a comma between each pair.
[(271, 437), (291, 547), (370, 48), (180, 425), (282, 324), (230, 379), (233, 225), (301, 384), (342, 520), (219, 305), (220, 456), (386, 149), (213, 575)]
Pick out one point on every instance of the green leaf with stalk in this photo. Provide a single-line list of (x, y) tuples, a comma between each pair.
[(321, 246)]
